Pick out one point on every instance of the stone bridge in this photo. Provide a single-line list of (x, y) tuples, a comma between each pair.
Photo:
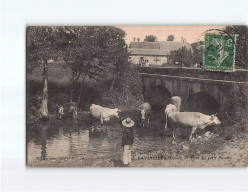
[(204, 91)]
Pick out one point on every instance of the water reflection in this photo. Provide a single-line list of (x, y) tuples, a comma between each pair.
[(43, 126), (70, 138)]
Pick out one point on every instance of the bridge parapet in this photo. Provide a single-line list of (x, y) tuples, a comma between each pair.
[(200, 90), (239, 75)]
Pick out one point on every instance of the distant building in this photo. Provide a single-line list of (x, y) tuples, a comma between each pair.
[(154, 53)]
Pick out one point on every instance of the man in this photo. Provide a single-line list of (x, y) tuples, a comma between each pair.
[(127, 140)]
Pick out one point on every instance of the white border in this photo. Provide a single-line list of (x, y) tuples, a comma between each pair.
[(16, 15)]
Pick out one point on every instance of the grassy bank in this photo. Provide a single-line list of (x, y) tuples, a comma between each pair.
[(61, 90)]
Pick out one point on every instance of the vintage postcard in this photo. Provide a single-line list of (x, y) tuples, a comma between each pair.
[(136, 96)]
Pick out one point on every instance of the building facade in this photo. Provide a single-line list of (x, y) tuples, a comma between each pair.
[(153, 53)]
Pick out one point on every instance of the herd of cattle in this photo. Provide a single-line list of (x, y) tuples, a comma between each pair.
[(193, 120)]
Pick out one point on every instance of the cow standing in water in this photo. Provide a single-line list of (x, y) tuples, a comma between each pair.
[(144, 113), (103, 114), (67, 110), (175, 106), (193, 120)]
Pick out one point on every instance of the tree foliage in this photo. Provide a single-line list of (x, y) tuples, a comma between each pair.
[(180, 58), (241, 44), (150, 38), (170, 38), (41, 46), (197, 54), (92, 51), (238, 103)]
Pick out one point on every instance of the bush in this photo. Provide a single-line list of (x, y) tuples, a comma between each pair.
[(238, 102), (125, 93)]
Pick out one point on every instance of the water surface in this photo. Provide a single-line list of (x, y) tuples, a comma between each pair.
[(67, 138)]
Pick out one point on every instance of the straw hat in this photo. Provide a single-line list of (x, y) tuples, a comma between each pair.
[(128, 122)]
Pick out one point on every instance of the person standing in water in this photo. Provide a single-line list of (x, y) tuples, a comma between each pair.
[(127, 140)]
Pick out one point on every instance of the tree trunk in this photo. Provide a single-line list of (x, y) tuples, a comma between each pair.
[(44, 103), (80, 92), (112, 85), (72, 90), (72, 86), (73, 82)]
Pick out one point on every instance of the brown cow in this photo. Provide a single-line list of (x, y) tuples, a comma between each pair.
[(67, 110)]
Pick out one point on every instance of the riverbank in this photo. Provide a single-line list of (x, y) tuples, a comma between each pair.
[(231, 154), (106, 92)]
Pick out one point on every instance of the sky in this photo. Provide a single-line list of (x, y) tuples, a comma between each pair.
[(190, 33)]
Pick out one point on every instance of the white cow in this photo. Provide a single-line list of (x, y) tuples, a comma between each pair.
[(175, 106), (144, 113), (176, 100), (170, 108), (103, 114), (194, 120)]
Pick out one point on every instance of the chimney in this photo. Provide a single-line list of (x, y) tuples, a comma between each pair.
[(134, 39), (138, 39)]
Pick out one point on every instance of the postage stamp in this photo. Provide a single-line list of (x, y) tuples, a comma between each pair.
[(219, 52), (136, 96)]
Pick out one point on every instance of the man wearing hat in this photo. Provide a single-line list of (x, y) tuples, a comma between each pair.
[(127, 140)]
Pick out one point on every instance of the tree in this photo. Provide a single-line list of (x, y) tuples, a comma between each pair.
[(150, 38), (197, 55), (94, 52), (241, 59), (41, 46), (170, 38), (180, 58)]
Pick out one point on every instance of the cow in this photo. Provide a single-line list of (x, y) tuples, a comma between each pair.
[(170, 108), (144, 113), (69, 109), (103, 114), (193, 120), (175, 106), (176, 100)]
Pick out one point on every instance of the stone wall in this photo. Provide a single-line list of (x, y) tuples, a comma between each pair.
[(237, 76), (226, 88)]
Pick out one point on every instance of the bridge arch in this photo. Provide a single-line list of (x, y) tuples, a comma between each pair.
[(202, 102), (159, 97), (186, 82)]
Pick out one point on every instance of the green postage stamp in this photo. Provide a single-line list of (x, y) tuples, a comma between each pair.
[(219, 52)]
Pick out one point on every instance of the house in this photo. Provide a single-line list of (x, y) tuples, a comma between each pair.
[(154, 53)]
